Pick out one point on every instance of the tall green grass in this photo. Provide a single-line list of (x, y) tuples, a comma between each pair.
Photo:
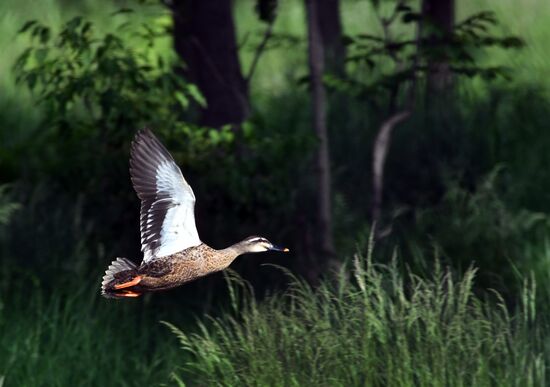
[(370, 327), (58, 330), (373, 327), (72, 337)]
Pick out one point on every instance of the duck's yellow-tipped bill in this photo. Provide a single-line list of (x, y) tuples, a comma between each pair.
[(278, 248)]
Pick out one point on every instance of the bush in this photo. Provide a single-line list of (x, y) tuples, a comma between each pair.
[(481, 226)]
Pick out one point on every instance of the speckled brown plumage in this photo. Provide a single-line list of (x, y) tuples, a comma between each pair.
[(185, 266), (174, 270)]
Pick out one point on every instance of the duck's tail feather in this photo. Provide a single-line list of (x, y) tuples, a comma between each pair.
[(120, 270)]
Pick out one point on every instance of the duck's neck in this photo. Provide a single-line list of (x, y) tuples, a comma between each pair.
[(224, 257)]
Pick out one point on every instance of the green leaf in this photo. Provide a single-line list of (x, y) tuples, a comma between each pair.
[(227, 134), (195, 93), (370, 37), (410, 17), (31, 80), (512, 42), (122, 11), (40, 54), (267, 10), (87, 28), (347, 40), (73, 23), (44, 35), (403, 8), (214, 136), (182, 99), (247, 129), (22, 61), (303, 80), (26, 26)]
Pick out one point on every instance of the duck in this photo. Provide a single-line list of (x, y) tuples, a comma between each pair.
[(173, 253)]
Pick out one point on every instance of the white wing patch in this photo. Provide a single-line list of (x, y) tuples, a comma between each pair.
[(168, 203), (178, 230)]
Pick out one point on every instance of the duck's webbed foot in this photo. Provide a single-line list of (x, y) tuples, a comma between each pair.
[(136, 280), (127, 293)]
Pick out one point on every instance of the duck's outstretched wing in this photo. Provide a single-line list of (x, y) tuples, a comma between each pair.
[(167, 219)]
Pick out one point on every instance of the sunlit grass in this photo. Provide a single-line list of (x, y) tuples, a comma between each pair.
[(374, 327), (371, 326)]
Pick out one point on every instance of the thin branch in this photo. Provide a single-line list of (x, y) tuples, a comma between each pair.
[(244, 41), (392, 17), (261, 47), (385, 22)]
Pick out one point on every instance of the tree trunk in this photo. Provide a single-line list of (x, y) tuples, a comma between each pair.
[(204, 37), (439, 14), (331, 34), (322, 159)]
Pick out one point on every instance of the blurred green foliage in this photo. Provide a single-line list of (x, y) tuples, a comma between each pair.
[(97, 90), (7, 207)]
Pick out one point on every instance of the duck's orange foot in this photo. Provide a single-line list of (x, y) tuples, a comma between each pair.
[(135, 281), (128, 293)]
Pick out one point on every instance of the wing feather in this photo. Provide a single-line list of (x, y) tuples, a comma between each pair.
[(167, 216)]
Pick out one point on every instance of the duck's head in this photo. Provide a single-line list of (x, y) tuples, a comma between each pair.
[(257, 244)]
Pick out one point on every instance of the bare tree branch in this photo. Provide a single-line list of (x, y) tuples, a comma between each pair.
[(261, 47), (380, 151)]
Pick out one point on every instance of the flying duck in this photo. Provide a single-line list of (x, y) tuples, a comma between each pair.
[(173, 253)]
